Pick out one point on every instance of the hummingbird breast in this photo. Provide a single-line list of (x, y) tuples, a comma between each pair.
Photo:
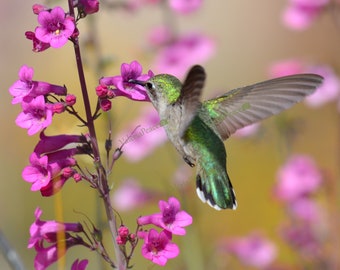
[(199, 138)]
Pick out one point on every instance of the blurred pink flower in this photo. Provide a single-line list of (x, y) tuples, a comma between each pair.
[(328, 91), (300, 14), (145, 139), (303, 238), (286, 67), (247, 131), (253, 250), (298, 177), (130, 195), (189, 49), (185, 6), (305, 209), (160, 36)]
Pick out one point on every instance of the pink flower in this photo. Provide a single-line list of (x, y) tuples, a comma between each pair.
[(38, 172), (105, 105), (48, 144), (297, 178), (253, 250), (328, 91), (55, 27), (160, 36), (306, 209), (36, 115), (179, 56), (303, 238), (286, 67), (37, 8), (130, 195), (171, 217), (301, 13), (88, 6), (70, 100), (185, 6), (247, 131), (157, 246), (79, 265), (120, 84), (42, 169), (54, 185), (38, 46), (149, 135), (46, 231), (25, 87)]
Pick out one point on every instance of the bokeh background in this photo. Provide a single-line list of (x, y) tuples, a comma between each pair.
[(250, 37)]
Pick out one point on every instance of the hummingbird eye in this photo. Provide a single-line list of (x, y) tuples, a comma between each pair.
[(150, 86)]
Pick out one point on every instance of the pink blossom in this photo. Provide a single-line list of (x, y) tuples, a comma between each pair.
[(253, 250), (177, 57), (298, 177), (25, 87), (36, 115), (48, 144), (79, 265), (300, 14), (88, 6), (105, 105), (306, 210), (142, 141), (303, 238), (247, 131), (38, 45), (70, 100), (47, 230), (42, 169), (160, 36), (37, 8), (120, 84), (158, 247), (56, 28), (171, 218), (185, 6), (328, 91), (38, 173), (286, 67), (130, 195), (54, 186)]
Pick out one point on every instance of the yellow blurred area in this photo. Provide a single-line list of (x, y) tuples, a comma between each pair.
[(250, 37)]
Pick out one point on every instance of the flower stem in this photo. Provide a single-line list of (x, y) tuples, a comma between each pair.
[(102, 176)]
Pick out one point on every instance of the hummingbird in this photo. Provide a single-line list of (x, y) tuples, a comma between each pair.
[(197, 129)]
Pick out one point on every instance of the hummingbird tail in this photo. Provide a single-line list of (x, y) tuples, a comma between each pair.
[(215, 189)]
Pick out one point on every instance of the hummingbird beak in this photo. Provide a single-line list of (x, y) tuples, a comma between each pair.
[(142, 83)]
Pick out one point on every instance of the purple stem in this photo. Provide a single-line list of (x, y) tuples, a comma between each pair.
[(102, 176)]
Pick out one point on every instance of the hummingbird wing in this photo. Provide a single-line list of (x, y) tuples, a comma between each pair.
[(247, 105), (189, 98)]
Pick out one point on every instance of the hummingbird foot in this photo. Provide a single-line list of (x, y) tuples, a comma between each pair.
[(186, 159)]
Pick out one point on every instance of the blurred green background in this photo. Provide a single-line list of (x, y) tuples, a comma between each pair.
[(250, 37)]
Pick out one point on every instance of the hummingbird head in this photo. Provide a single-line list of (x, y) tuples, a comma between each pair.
[(162, 89)]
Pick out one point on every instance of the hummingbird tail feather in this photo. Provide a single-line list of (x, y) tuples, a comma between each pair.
[(216, 190)]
